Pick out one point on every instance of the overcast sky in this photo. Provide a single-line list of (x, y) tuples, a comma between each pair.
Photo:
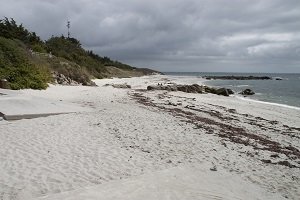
[(174, 35)]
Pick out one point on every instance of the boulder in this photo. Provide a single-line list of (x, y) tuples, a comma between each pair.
[(154, 87), (4, 84), (230, 91), (247, 92), (209, 90), (124, 86), (222, 91), (195, 88), (162, 87), (91, 83)]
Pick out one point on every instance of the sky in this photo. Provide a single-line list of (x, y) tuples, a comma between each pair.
[(174, 35)]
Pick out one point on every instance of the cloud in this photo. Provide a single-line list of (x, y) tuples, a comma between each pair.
[(175, 35)]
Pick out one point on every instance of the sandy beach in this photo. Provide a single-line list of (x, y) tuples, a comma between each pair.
[(115, 143)]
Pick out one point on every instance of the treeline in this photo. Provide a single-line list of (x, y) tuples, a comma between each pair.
[(23, 70)]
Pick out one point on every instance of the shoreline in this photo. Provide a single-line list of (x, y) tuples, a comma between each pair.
[(126, 133), (267, 102), (278, 98), (255, 98)]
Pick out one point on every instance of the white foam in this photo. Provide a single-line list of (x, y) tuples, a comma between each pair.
[(268, 103)]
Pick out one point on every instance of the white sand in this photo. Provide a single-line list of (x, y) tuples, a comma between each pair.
[(25, 103), (182, 183), (111, 137)]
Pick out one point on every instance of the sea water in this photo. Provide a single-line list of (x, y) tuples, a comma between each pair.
[(285, 91)]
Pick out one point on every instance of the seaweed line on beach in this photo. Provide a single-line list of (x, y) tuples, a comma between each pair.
[(227, 131)]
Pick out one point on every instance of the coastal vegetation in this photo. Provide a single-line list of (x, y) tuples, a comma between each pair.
[(26, 61)]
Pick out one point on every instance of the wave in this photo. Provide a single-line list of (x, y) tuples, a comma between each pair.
[(242, 86), (268, 103)]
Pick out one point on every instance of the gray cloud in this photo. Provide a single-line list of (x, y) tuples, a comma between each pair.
[(175, 35)]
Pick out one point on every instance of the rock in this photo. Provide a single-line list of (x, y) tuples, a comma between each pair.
[(4, 84), (247, 92), (161, 87), (222, 91), (63, 80), (214, 168), (151, 87), (209, 90), (230, 91), (195, 88), (124, 86), (91, 83), (238, 77), (278, 78), (172, 88)]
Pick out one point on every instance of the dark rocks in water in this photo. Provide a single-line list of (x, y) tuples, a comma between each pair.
[(247, 92), (195, 88), (238, 77), (278, 78), (224, 92)]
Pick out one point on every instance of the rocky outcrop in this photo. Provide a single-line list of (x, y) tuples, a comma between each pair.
[(195, 88), (238, 77), (247, 92), (64, 80), (162, 87)]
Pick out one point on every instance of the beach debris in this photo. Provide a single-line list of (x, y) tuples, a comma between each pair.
[(232, 132), (247, 92), (213, 168)]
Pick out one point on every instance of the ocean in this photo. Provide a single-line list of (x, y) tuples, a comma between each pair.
[(284, 92)]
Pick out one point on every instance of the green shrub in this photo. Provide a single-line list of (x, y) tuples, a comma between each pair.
[(18, 70)]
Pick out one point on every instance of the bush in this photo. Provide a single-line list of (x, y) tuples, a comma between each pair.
[(16, 68), (27, 77)]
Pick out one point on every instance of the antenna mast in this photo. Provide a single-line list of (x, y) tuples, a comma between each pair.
[(68, 25)]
